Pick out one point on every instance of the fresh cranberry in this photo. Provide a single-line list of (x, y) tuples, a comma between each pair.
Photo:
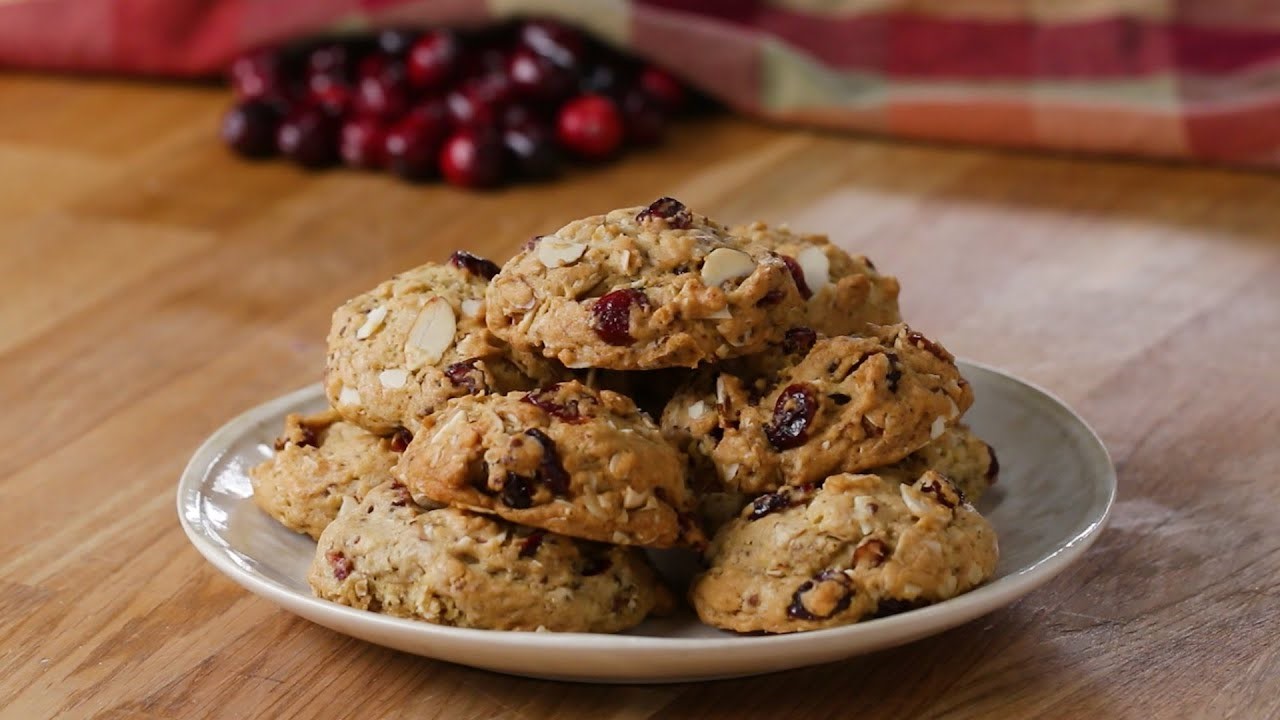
[(797, 275), (475, 265), (261, 73), (590, 126), (433, 59), (479, 102), (536, 77), (606, 78), (384, 95), (533, 150), (413, 144), (643, 117), (396, 42), (363, 143), (335, 60), (611, 315), (333, 99), (473, 158), (792, 414), (309, 137), (662, 87), (561, 44), (250, 128)]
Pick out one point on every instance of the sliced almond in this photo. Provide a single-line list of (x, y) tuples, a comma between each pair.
[(724, 264), (554, 252), (939, 426), (472, 307), (349, 396), (431, 335), (632, 499), (816, 268), (721, 314), (393, 379), (372, 322)]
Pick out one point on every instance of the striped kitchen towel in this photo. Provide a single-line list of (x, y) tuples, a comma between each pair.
[(1190, 79)]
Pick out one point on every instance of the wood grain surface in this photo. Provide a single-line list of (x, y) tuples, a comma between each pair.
[(153, 287)]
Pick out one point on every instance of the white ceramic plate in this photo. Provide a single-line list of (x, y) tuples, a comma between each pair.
[(1055, 491)]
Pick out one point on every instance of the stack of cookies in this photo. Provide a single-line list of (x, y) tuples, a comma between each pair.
[(503, 442)]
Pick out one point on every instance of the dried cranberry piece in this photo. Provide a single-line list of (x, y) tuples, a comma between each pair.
[(465, 374), (797, 274), (839, 398), (611, 315), (340, 563), (769, 504), (401, 439), (892, 606), (894, 374), (530, 546), (671, 210), (797, 609), (544, 400), (993, 470), (596, 565), (929, 346), (550, 471), (792, 414), (799, 340), (517, 491), (474, 264), (773, 297), (307, 439)]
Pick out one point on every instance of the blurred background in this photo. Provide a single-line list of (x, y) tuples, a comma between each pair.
[(467, 91)]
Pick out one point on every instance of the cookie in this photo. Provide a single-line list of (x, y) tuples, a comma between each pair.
[(400, 351), (566, 458), (449, 566), (643, 288), (319, 461), (844, 293), (968, 462), (855, 547), (843, 404)]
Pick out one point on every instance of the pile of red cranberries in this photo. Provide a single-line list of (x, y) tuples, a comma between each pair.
[(475, 108)]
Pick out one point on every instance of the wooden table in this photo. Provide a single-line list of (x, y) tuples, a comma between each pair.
[(153, 287)]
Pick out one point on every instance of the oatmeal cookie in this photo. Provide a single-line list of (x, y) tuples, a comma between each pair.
[(968, 462), (398, 352), (847, 404), (857, 546), (454, 567), (319, 461), (845, 294), (566, 458), (643, 288)]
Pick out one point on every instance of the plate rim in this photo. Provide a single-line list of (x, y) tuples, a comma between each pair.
[(916, 623)]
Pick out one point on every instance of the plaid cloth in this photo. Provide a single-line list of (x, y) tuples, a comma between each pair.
[(1194, 79)]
